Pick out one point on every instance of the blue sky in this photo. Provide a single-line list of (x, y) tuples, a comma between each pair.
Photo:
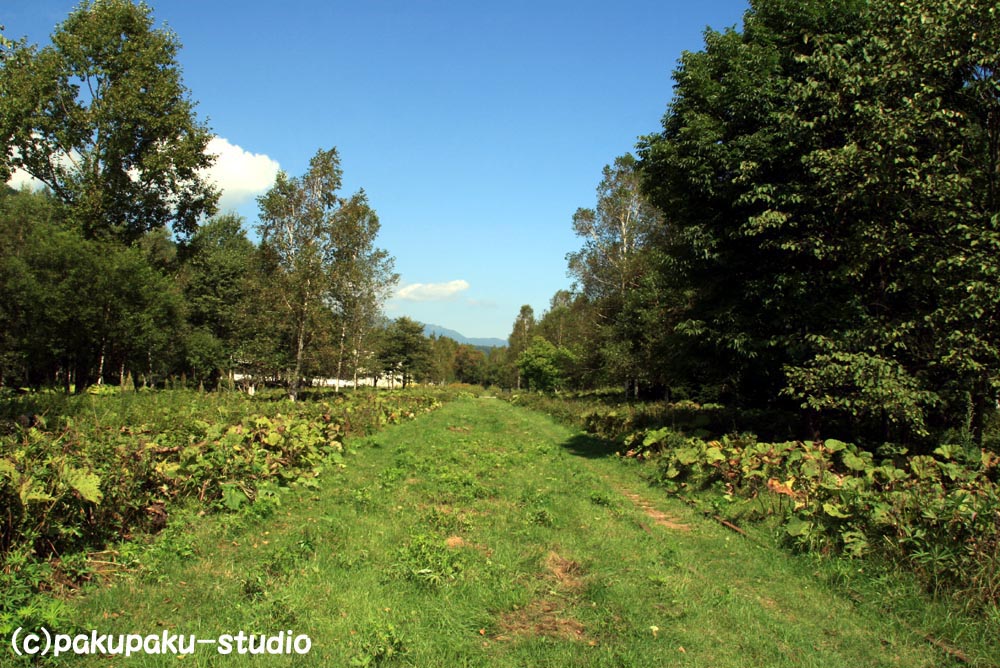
[(476, 128)]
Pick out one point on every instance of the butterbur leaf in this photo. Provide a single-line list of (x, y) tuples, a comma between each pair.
[(32, 492), (7, 469), (654, 437), (87, 485), (854, 462), (833, 445), (713, 455), (797, 527), (687, 456), (233, 497), (834, 511), (948, 452)]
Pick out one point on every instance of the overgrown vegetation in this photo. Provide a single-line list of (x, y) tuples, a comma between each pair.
[(807, 233), (79, 475), (936, 514), (486, 535)]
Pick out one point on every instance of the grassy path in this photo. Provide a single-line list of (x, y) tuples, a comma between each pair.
[(487, 535)]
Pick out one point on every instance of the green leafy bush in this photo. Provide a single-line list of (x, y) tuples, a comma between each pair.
[(940, 514)]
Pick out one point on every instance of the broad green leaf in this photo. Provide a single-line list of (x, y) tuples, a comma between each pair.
[(854, 462), (834, 511), (833, 445), (233, 497), (713, 455), (7, 469), (688, 456), (32, 492), (797, 527)]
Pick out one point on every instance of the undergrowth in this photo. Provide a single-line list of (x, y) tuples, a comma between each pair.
[(937, 515), (79, 475)]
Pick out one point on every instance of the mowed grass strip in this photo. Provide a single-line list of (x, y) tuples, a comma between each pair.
[(488, 535)]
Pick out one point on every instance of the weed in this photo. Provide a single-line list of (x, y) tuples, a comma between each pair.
[(426, 559), (377, 645), (541, 517)]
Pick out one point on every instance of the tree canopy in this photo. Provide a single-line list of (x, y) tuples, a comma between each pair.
[(102, 118)]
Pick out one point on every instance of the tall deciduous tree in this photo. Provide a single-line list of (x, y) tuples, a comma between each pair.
[(218, 264), (519, 340), (102, 118), (613, 264), (325, 263), (363, 279), (909, 116), (543, 366), (298, 232), (831, 174), (751, 252)]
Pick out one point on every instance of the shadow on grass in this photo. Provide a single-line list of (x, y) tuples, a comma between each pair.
[(590, 447)]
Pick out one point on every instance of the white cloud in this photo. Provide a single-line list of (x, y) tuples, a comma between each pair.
[(240, 175), (428, 292)]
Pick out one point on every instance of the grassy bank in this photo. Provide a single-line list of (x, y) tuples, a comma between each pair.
[(487, 535)]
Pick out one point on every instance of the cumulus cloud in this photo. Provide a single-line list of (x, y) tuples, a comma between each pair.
[(429, 292), (239, 174)]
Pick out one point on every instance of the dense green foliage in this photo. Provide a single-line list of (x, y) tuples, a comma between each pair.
[(814, 229), (78, 474), (321, 268), (482, 535), (801, 268), (112, 274), (102, 118)]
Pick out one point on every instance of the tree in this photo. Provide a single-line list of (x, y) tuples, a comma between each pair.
[(543, 365), (216, 279), (520, 339), (444, 351), (74, 309), (830, 175), (751, 253), (613, 263), (405, 350), (909, 114), (615, 233), (299, 234), (363, 278), (102, 118), (470, 365), (571, 322)]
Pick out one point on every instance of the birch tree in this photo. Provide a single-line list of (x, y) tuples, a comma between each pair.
[(611, 265), (363, 279), (298, 229), (328, 273)]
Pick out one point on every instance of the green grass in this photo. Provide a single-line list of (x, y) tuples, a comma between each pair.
[(487, 535)]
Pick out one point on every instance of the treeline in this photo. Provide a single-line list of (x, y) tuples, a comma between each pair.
[(78, 311), (815, 229), (111, 274)]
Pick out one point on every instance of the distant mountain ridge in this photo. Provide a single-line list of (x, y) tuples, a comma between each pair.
[(438, 330)]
